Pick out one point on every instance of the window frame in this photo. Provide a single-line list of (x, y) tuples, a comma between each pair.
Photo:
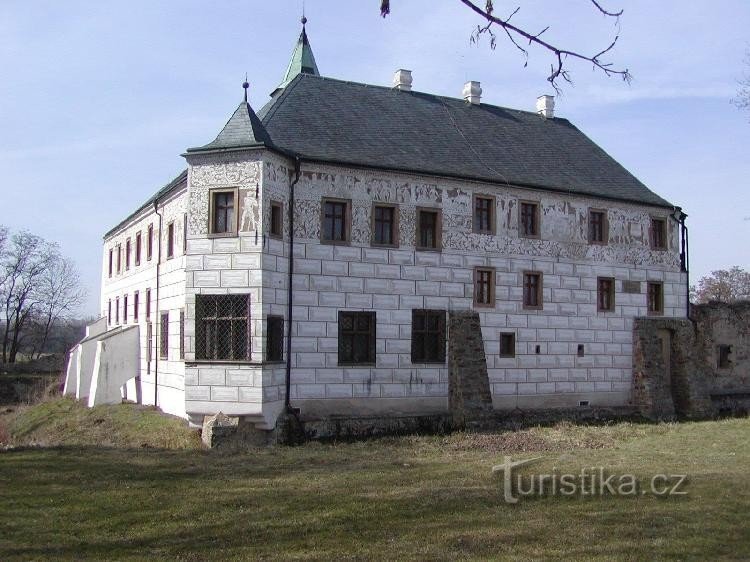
[(149, 345), (200, 330), (150, 242), (117, 311), (441, 334), (394, 225), (664, 245), (170, 240), (111, 261), (148, 304), (655, 311), (271, 231), (164, 335), (605, 227), (270, 341), (182, 334), (492, 219), (347, 226), (109, 312), (503, 352), (438, 229), (536, 218), (125, 308), (610, 292), (230, 232), (138, 243), (136, 305), (539, 290), (491, 288), (184, 233), (371, 333), (127, 254), (119, 259)]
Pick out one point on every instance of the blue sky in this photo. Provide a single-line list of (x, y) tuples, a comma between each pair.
[(99, 99)]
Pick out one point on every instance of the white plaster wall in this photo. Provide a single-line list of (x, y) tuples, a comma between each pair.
[(115, 363)]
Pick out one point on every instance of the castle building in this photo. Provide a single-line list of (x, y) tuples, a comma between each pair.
[(310, 256)]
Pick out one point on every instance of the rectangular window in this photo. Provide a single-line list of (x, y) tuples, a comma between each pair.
[(605, 294), (117, 310), (276, 227), (484, 214), (109, 312), (429, 229), (170, 240), (655, 298), (658, 234), (164, 335), (184, 234), (598, 227), (222, 327), (119, 259), (484, 286), (136, 303), (148, 304), (182, 334), (127, 254), (150, 242), (223, 215), (149, 345), (722, 355), (529, 219), (508, 344), (427, 336), (110, 261), (125, 309), (532, 290), (274, 338), (138, 248), (356, 338), (384, 225), (336, 221)]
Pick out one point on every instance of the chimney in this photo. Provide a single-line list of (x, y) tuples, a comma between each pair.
[(402, 80), (472, 92), (545, 106)]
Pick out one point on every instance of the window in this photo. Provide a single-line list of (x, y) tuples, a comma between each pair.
[(508, 344), (149, 345), (164, 335), (658, 234), (276, 228), (598, 231), (170, 240), (182, 334), (356, 338), (484, 214), (125, 309), (655, 298), (605, 294), (117, 310), (336, 221), (532, 290), (110, 261), (109, 312), (150, 242), (184, 234), (119, 259), (148, 304), (222, 327), (136, 299), (222, 212), (429, 229), (127, 254), (274, 338), (384, 225), (427, 336), (529, 219), (484, 286), (722, 355), (138, 248)]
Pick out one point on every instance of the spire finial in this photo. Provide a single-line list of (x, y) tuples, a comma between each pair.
[(304, 19), (245, 85)]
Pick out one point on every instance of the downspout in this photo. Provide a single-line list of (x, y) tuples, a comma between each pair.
[(679, 216), (290, 291), (158, 314)]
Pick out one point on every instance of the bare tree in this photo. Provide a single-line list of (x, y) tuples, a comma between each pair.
[(520, 37), (742, 101), (725, 285)]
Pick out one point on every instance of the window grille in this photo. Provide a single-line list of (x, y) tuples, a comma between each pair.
[(164, 335), (222, 327)]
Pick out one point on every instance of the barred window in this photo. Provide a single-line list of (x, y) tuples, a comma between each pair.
[(138, 248), (655, 298), (428, 229), (164, 335), (484, 214), (222, 327), (427, 336), (356, 338), (384, 225), (529, 219), (597, 227), (605, 294), (508, 344), (532, 290), (336, 219), (274, 338), (182, 334), (276, 229), (484, 286), (222, 212)]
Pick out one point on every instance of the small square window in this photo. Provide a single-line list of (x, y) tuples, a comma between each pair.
[(722, 356), (655, 298), (532, 290), (170, 240), (274, 338), (508, 344), (658, 234), (605, 294), (528, 219), (356, 338), (484, 286), (598, 231), (429, 229), (384, 225), (335, 221), (428, 336), (484, 214), (276, 227)]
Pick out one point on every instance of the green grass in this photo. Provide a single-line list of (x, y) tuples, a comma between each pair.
[(400, 498)]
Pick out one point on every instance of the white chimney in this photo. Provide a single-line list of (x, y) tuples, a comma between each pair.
[(402, 80), (472, 92), (545, 106)]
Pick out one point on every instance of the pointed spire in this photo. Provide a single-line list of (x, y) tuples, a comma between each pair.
[(302, 61)]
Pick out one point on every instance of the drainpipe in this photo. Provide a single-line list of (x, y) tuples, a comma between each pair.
[(679, 216), (158, 314), (290, 291)]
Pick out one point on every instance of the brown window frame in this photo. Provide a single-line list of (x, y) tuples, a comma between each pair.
[(127, 254), (150, 242), (170, 240), (138, 240), (111, 261), (507, 350), (489, 301), (212, 315), (274, 338), (136, 305), (659, 242), (604, 227), (438, 235), (536, 219), (276, 230), (491, 219), (369, 334), (539, 290), (425, 334), (212, 210), (394, 226), (164, 335), (347, 221), (605, 294), (655, 310)]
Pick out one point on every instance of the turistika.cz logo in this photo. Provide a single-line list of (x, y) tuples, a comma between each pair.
[(590, 481)]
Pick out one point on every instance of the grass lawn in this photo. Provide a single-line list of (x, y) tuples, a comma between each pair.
[(401, 498)]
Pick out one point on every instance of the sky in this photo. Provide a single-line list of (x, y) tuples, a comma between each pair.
[(99, 99)]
